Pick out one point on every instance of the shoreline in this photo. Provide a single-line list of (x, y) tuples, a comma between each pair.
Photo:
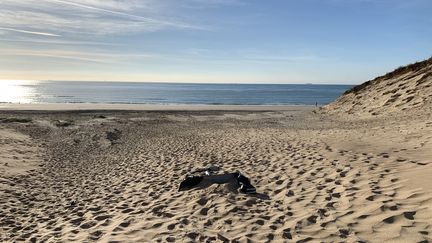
[(149, 107)]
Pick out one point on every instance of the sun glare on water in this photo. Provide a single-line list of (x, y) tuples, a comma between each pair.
[(16, 91)]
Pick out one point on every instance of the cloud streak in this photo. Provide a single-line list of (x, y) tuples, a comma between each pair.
[(29, 32), (87, 56), (123, 14), (59, 42), (137, 59), (87, 17)]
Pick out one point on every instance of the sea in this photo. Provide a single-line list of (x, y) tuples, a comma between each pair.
[(36, 92)]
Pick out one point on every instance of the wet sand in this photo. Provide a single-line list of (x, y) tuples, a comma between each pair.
[(150, 107)]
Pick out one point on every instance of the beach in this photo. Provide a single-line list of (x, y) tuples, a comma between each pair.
[(215, 121), (97, 174)]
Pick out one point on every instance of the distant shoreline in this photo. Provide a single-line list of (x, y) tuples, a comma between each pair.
[(150, 107), (172, 82), (167, 94)]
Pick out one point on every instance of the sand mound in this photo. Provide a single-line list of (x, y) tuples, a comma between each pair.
[(18, 154), (406, 88)]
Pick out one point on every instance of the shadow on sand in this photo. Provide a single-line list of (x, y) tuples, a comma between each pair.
[(231, 186)]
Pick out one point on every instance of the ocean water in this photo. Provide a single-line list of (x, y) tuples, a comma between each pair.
[(167, 93)]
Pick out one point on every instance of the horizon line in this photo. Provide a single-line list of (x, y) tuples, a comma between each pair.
[(171, 82)]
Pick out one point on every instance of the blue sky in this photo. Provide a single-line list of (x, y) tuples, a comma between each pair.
[(226, 41)]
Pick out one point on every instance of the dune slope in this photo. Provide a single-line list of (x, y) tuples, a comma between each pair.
[(406, 88)]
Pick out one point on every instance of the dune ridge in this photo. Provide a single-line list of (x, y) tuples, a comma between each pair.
[(405, 89)]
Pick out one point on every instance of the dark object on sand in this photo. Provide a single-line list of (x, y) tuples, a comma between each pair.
[(209, 178), (15, 119), (113, 135), (190, 182), (245, 185), (63, 123)]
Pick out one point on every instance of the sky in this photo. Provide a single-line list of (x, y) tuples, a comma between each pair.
[(217, 41)]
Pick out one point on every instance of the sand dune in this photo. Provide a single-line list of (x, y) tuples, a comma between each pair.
[(406, 89)]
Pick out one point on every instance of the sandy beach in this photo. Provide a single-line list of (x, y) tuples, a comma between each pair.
[(215, 121), (113, 176)]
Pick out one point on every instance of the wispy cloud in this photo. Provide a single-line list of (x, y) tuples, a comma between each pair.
[(58, 42), (87, 17), (123, 14), (29, 32), (257, 56), (189, 56), (197, 4), (87, 56)]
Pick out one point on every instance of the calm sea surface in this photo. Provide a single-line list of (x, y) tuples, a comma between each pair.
[(164, 93)]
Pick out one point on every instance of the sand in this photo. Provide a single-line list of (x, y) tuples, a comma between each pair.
[(148, 107), (407, 89), (18, 155), (112, 176)]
